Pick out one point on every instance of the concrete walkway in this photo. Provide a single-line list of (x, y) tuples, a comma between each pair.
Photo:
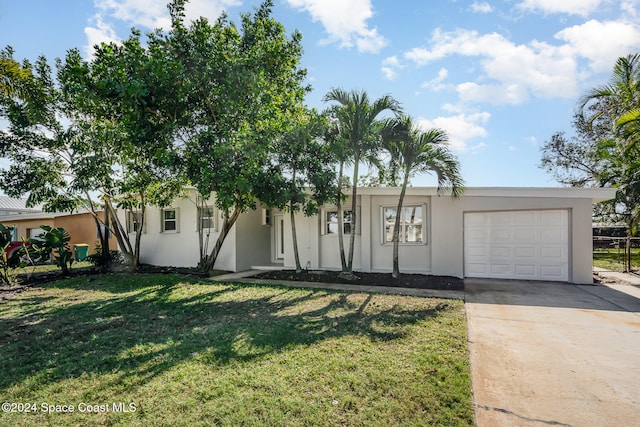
[(554, 354)]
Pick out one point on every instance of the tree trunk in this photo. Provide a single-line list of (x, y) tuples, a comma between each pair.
[(295, 239), (343, 259), (226, 227), (120, 232), (396, 229), (354, 193)]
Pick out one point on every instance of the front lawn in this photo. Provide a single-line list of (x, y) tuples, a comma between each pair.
[(177, 351)]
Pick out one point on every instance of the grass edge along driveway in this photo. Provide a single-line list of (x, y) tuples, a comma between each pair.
[(171, 350)]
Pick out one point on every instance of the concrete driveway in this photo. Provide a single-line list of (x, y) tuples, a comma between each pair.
[(550, 354)]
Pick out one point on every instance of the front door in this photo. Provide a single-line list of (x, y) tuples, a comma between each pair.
[(279, 236)]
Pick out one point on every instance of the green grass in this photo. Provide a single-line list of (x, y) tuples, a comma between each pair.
[(613, 259), (50, 267), (189, 353)]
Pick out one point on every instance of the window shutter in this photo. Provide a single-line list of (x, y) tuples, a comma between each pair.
[(358, 218), (162, 220), (177, 219)]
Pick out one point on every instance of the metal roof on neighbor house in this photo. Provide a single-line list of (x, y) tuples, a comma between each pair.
[(16, 205)]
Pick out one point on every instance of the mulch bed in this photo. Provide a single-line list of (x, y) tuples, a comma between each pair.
[(419, 281)]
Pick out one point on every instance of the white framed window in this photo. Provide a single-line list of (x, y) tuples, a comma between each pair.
[(134, 220), (206, 218), (330, 221), (169, 220), (412, 224)]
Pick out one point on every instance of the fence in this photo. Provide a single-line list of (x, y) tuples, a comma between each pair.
[(610, 253)]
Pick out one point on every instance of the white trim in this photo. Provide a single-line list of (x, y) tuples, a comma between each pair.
[(163, 220), (423, 242)]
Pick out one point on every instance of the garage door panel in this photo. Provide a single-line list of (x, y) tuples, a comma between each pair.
[(526, 270), (525, 252), (500, 252), (524, 244)]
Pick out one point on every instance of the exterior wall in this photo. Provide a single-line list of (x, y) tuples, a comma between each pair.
[(24, 225), (370, 253), (448, 238), (253, 240), (443, 251), (180, 248), (82, 229), (246, 244)]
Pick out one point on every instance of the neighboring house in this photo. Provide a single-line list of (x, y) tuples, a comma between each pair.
[(81, 226), (510, 233)]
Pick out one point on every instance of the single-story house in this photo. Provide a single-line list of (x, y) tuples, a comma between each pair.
[(510, 233), (81, 226)]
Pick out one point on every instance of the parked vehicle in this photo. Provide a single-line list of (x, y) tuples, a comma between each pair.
[(13, 251)]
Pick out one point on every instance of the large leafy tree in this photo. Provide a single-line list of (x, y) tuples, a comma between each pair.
[(245, 89), (358, 122), (128, 104), (415, 151), (102, 128)]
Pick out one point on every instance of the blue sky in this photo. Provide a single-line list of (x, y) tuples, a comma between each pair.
[(499, 76)]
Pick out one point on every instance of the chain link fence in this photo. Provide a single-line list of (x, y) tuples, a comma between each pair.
[(610, 253)]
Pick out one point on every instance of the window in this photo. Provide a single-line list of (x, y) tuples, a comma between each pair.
[(331, 222), (411, 227), (206, 218), (134, 220), (266, 216), (169, 220)]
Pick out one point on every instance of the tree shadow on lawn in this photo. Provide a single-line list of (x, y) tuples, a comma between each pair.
[(142, 335)]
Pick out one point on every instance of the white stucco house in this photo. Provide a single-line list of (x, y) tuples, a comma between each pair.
[(509, 233)]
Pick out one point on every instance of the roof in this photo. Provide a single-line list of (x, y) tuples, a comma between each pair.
[(38, 215), (16, 205), (595, 194)]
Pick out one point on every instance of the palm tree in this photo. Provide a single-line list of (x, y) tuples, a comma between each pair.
[(358, 131), (619, 103), (414, 151), (619, 100)]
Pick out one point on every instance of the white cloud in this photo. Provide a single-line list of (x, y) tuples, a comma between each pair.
[(461, 128), (345, 21), (100, 33), (571, 7), (509, 94), (629, 7), (154, 14), (148, 13), (545, 70), (601, 42), (436, 83), (481, 7), (390, 67)]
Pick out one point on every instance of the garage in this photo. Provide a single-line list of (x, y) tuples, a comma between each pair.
[(527, 245)]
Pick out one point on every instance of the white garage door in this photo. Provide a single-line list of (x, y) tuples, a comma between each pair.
[(530, 245)]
